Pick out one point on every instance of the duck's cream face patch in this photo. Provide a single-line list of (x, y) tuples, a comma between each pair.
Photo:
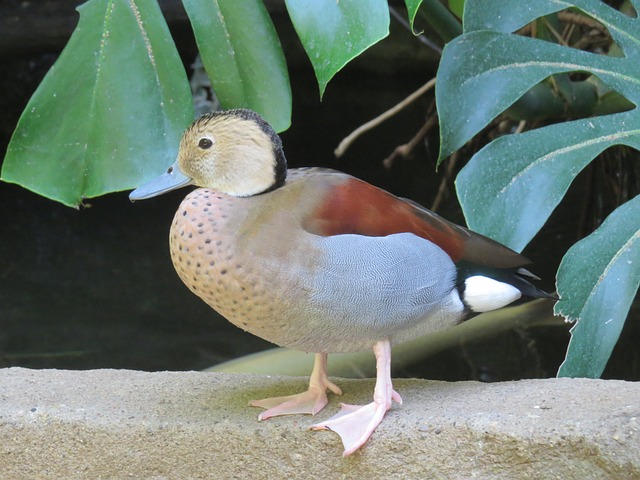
[(228, 154)]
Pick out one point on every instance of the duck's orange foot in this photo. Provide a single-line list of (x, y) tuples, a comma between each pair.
[(310, 402), (356, 423)]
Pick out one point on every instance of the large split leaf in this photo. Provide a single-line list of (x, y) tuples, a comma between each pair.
[(241, 52), (597, 281), (484, 72), (333, 33), (510, 187), (485, 84), (111, 109), (508, 15)]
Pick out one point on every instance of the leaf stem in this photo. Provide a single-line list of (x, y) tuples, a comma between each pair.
[(440, 19)]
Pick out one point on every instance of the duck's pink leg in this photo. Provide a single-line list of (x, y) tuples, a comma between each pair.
[(356, 423), (311, 401)]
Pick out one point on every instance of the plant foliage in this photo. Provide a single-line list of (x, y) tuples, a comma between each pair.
[(333, 33), (109, 114), (246, 65), (510, 187)]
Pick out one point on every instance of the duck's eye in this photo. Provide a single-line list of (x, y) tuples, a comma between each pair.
[(170, 170), (205, 143)]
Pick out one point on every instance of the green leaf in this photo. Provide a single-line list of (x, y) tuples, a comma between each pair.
[(109, 113), (474, 88), (457, 7), (507, 15), (510, 187), (412, 9), (482, 86), (495, 186), (524, 177), (510, 15), (597, 281), (241, 53), (334, 32), (442, 22)]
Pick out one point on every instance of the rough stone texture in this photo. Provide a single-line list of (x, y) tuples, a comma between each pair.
[(127, 424)]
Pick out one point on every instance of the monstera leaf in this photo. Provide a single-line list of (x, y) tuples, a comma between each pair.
[(599, 291), (511, 186), (333, 33), (246, 65), (109, 113), (108, 116)]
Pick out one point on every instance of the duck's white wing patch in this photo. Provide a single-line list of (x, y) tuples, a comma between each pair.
[(483, 294)]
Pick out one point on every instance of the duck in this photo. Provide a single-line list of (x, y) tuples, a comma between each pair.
[(320, 261)]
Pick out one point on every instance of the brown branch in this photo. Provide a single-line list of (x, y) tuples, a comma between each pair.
[(442, 188), (570, 17), (405, 149), (522, 124), (346, 142), (555, 33)]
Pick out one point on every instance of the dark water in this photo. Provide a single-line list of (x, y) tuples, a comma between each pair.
[(95, 288)]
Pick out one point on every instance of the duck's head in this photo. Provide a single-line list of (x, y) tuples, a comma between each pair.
[(234, 152)]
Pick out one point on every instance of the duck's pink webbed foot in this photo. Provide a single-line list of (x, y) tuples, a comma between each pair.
[(356, 423), (311, 401)]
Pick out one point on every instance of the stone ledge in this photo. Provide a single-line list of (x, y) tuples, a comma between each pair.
[(127, 424)]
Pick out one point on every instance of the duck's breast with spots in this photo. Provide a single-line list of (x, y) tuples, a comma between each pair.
[(205, 254)]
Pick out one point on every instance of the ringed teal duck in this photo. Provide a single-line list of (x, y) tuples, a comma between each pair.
[(317, 260)]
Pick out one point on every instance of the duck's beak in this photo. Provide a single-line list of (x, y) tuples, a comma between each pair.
[(171, 180)]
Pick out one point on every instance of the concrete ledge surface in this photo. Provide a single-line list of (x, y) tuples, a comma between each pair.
[(127, 424)]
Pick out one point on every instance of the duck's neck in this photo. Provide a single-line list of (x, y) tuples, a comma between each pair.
[(280, 169)]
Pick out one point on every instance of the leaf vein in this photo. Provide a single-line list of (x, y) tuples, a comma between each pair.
[(561, 151), (143, 32), (610, 264), (565, 66)]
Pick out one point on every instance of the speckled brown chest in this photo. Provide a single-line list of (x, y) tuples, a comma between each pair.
[(205, 256), (221, 252)]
